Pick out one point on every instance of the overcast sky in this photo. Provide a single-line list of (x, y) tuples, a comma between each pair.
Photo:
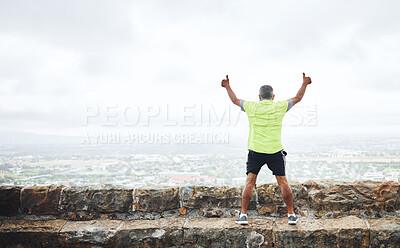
[(59, 57)]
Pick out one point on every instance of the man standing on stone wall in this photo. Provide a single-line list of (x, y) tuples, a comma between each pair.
[(264, 143)]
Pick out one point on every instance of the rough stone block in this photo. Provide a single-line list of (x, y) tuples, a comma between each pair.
[(10, 200), (28, 233), (197, 197), (226, 233), (328, 195), (41, 200), (348, 231), (156, 199), (270, 198), (164, 232), (89, 233), (96, 199), (385, 232)]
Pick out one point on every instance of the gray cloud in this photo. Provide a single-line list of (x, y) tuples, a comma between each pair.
[(83, 25), (63, 54)]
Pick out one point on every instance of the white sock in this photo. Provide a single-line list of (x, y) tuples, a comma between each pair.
[(291, 215), (242, 215)]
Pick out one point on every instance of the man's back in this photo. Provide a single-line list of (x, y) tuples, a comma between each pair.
[(265, 122)]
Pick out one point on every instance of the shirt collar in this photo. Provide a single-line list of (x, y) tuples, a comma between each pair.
[(262, 99)]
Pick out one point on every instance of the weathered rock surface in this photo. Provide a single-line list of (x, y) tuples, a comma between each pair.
[(89, 233), (385, 232), (40, 200), (270, 198), (198, 197), (10, 200), (25, 233), (156, 199), (98, 199), (334, 214), (226, 233), (348, 231), (370, 196), (165, 232), (319, 199)]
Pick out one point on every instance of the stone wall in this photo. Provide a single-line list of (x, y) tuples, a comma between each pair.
[(333, 214), (315, 199)]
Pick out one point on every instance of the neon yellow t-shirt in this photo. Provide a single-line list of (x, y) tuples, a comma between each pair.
[(265, 122)]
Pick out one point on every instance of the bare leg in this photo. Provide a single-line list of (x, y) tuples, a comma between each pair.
[(286, 192), (248, 191)]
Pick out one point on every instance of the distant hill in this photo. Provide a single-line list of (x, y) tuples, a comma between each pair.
[(16, 137)]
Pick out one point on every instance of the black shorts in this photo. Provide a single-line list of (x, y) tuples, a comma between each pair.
[(276, 162)]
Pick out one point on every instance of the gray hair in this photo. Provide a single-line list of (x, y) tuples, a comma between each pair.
[(266, 92)]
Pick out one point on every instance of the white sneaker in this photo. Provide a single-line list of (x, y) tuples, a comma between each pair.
[(242, 220), (293, 220)]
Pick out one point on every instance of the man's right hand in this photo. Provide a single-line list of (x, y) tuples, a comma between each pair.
[(302, 90), (225, 82), (306, 80)]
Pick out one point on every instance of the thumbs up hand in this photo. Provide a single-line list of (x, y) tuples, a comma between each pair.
[(225, 82), (306, 80)]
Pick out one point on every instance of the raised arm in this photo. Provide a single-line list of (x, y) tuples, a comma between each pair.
[(232, 96), (302, 90)]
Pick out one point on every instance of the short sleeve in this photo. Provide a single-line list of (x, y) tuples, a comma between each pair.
[(241, 105), (290, 105)]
